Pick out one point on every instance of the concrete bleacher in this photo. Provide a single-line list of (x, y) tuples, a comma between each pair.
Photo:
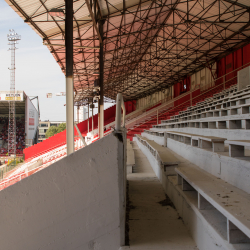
[(158, 155), (175, 109), (209, 199), (237, 148), (215, 143), (225, 115), (225, 111), (220, 199), (210, 185)]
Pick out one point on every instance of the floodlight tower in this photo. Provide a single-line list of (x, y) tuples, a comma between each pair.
[(12, 38)]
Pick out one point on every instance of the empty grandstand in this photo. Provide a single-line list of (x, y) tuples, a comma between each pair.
[(168, 166)]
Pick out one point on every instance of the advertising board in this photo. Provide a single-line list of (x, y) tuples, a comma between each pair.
[(10, 97)]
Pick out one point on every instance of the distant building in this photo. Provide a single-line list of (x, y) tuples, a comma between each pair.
[(44, 126)]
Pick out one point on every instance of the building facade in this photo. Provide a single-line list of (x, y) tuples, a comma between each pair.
[(44, 126)]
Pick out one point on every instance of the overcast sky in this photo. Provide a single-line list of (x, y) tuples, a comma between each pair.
[(37, 72)]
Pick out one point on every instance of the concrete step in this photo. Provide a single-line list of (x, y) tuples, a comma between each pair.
[(154, 223)]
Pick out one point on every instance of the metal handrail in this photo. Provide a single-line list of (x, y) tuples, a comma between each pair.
[(119, 105), (152, 150)]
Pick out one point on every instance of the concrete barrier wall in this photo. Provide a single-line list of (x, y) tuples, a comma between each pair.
[(75, 203), (155, 164)]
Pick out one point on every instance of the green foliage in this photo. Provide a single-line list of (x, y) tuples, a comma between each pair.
[(54, 130), (61, 127), (51, 131)]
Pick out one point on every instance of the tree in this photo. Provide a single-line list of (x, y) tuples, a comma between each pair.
[(54, 130), (61, 127), (51, 131)]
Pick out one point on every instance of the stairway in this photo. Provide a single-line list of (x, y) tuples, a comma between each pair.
[(154, 223)]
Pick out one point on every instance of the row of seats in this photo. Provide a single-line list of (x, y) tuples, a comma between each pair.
[(212, 113), (216, 144), (219, 203), (216, 200), (170, 112)]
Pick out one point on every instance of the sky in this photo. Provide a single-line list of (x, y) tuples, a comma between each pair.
[(37, 72)]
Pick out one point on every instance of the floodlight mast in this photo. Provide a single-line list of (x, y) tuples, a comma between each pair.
[(12, 38)]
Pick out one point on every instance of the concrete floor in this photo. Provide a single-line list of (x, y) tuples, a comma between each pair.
[(153, 226)]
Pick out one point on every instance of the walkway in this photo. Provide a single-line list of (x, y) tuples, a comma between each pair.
[(154, 223)]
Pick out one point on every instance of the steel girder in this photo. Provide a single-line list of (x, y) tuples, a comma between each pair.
[(148, 45)]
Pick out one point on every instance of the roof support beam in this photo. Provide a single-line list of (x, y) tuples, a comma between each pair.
[(237, 4), (93, 20), (75, 46)]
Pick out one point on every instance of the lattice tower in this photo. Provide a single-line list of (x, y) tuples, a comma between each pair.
[(12, 38)]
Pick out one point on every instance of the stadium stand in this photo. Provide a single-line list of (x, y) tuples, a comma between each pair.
[(212, 175), (211, 194), (186, 65), (59, 139), (20, 135)]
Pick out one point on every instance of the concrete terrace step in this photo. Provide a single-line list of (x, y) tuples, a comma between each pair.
[(152, 225), (237, 147), (215, 194), (166, 156)]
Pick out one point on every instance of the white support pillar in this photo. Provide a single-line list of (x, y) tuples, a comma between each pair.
[(88, 117), (92, 117), (69, 77), (78, 110), (101, 121), (70, 114)]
